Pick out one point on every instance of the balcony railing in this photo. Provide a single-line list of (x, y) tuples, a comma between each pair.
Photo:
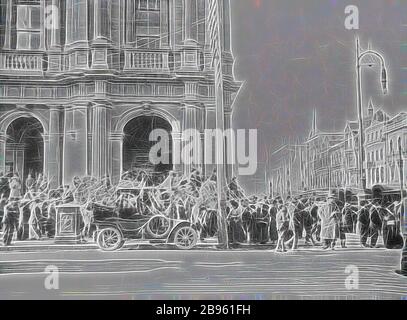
[(148, 61), (21, 62)]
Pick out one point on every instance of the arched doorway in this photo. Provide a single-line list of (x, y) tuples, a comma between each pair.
[(137, 146), (25, 147)]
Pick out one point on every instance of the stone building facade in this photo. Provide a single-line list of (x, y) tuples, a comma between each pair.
[(79, 77), (329, 161)]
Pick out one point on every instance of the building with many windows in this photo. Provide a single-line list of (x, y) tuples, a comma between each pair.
[(84, 82), (329, 161)]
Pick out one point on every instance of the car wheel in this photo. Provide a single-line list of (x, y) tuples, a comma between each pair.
[(110, 239), (185, 238)]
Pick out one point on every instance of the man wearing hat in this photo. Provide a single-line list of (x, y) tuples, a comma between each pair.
[(376, 222), (15, 188), (283, 224), (363, 223), (4, 185), (328, 213), (296, 212)]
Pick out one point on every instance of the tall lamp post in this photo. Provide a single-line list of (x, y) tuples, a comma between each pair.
[(384, 81), (403, 211)]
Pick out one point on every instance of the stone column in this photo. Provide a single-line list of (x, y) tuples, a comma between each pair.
[(3, 140), (116, 143), (54, 148), (9, 16), (54, 56), (97, 19), (42, 24), (100, 147), (101, 18), (130, 22), (45, 138), (75, 142), (164, 21), (188, 20), (190, 121), (101, 34), (190, 54), (55, 39)]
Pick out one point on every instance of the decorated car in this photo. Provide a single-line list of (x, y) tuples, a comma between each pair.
[(125, 221)]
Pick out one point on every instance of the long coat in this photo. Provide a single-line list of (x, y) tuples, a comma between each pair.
[(15, 188), (328, 223)]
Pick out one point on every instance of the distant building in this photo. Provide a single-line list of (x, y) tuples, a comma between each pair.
[(329, 161), (396, 144), (375, 148)]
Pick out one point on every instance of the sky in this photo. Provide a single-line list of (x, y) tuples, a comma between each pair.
[(295, 56)]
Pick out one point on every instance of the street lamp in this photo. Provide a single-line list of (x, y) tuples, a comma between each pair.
[(384, 82), (403, 208)]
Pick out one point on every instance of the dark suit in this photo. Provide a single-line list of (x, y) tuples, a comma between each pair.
[(10, 222)]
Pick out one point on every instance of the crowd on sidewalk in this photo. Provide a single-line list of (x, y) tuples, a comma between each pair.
[(28, 212)]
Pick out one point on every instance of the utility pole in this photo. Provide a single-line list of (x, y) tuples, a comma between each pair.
[(215, 27), (403, 209)]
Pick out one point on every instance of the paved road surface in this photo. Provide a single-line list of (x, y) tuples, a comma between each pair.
[(132, 274)]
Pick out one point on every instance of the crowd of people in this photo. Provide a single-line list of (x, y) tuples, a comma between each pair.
[(322, 223), (28, 211)]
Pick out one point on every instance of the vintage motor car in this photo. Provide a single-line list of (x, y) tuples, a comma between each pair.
[(116, 225)]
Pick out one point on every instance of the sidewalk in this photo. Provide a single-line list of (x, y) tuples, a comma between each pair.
[(210, 244), (49, 244)]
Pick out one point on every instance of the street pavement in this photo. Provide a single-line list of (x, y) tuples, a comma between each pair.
[(203, 274)]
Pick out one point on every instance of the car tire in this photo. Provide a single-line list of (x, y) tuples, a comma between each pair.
[(185, 238), (110, 239)]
